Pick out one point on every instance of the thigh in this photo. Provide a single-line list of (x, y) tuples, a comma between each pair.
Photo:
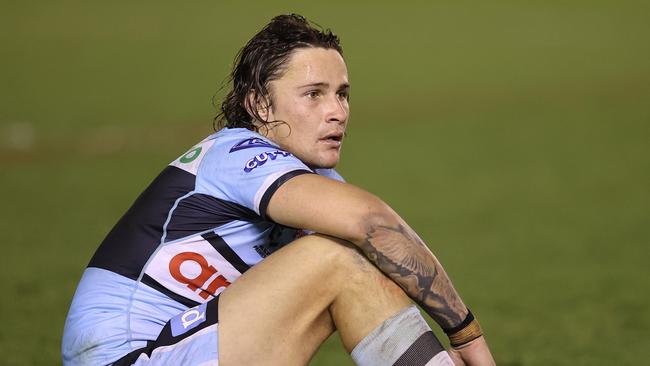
[(189, 338), (277, 312)]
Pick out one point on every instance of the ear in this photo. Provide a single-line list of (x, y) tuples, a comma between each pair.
[(256, 102)]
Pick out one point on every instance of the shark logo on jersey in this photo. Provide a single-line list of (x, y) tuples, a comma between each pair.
[(261, 159), (279, 237), (253, 142)]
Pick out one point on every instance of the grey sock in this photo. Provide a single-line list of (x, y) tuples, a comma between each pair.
[(402, 340)]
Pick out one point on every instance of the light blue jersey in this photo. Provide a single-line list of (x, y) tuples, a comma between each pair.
[(198, 226)]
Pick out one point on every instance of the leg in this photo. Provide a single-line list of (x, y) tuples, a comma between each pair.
[(280, 311)]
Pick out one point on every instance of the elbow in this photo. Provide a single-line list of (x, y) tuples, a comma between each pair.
[(376, 213)]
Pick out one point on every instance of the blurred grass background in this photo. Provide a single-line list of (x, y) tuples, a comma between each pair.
[(513, 136)]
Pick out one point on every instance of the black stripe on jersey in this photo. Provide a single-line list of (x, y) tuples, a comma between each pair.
[(136, 236), (264, 202), (166, 338), (220, 245), (201, 212), (149, 281)]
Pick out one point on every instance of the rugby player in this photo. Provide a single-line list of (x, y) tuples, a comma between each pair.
[(249, 249)]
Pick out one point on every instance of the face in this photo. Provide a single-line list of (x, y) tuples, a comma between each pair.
[(312, 98)]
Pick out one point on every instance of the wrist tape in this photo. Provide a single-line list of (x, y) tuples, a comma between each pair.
[(465, 332)]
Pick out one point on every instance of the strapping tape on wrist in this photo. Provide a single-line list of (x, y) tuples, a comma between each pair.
[(465, 332)]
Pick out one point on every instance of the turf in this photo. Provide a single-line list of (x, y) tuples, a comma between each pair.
[(513, 136)]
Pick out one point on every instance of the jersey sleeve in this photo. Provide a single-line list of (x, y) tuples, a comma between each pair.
[(248, 172)]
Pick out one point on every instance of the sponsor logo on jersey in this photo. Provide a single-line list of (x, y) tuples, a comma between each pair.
[(191, 160), (261, 159), (191, 155), (192, 268), (205, 283), (189, 319), (253, 142)]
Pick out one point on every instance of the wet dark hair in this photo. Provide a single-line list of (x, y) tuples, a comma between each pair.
[(262, 60)]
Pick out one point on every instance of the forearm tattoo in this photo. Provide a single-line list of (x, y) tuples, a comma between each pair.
[(401, 255)]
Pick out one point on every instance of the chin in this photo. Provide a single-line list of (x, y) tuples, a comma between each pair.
[(322, 160), (323, 163)]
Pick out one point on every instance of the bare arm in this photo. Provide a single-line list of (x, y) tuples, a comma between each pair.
[(341, 210), (400, 253)]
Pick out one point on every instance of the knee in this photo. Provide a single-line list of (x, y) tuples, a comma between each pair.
[(331, 256), (347, 266), (339, 255), (340, 267)]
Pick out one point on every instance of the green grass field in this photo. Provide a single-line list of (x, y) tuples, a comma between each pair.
[(513, 136)]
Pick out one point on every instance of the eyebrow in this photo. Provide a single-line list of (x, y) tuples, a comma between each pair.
[(324, 85)]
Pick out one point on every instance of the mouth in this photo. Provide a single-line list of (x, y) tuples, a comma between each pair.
[(333, 138)]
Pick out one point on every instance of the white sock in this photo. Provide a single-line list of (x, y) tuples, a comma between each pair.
[(402, 340)]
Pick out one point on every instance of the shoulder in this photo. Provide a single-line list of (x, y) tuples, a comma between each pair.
[(241, 151), (244, 167)]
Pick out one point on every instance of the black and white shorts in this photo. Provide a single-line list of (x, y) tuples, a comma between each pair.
[(189, 338)]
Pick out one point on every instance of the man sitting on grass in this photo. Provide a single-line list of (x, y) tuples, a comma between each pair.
[(209, 267)]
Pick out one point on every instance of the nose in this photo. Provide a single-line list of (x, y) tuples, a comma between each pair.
[(337, 110)]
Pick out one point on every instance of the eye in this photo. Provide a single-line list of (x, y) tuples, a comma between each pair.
[(343, 95), (313, 94)]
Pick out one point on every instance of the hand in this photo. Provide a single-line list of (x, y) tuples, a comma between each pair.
[(474, 353)]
